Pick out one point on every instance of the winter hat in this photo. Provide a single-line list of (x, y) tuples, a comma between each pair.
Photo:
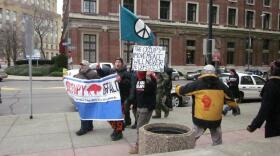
[(84, 63), (209, 69)]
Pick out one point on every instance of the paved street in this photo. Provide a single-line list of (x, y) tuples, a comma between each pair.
[(54, 134), (48, 97)]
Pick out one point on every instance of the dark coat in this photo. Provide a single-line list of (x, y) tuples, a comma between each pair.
[(146, 92), (270, 108), (233, 85)]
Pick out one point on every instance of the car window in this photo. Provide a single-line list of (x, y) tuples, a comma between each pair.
[(259, 81), (246, 80), (106, 65)]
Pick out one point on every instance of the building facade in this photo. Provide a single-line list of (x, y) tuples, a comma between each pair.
[(245, 31), (16, 11)]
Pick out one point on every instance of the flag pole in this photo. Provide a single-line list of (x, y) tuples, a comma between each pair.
[(120, 33)]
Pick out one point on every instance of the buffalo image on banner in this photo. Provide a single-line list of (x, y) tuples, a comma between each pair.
[(96, 99), (148, 58)]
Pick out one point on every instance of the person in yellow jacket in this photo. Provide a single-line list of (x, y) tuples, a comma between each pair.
[(209, 95)]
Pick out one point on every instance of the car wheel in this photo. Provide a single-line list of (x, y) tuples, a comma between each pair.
[(176, 100), (1, 79), (176, 78)]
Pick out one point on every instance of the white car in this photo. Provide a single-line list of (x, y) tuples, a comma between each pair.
[(250, 85), (73, 72)]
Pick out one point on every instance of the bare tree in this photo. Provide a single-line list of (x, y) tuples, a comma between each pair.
[(11, 42), (42, 23)]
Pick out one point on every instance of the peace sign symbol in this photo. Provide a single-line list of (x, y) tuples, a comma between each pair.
[(142, 30)]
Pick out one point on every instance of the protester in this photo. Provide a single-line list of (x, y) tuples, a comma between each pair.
[(146, 100), (124, 81), (233, 87), (168, 88), (270, 108), (209, 95), (162, 79), (86, 73)]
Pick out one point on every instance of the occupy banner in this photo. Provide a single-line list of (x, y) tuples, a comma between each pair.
[(148, 58), (96, 99)]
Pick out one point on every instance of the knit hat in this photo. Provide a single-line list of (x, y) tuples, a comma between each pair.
[(209, 69), (84, 63)]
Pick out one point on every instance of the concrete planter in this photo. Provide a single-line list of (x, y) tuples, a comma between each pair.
[(165, 137)]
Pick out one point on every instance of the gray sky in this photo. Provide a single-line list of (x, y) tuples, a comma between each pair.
[(59, 6)]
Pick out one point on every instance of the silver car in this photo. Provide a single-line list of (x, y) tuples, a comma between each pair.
[(180, 101)]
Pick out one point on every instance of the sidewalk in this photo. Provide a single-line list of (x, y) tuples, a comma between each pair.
[(34, 78), (54, 134)]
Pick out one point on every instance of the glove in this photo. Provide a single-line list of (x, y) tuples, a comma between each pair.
[(250, 129), (236, 111)]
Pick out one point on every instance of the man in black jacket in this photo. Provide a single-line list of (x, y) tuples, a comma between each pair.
[(270, 106)]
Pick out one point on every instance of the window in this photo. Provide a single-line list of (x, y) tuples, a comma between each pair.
[(47, 55), (266, 44), (230, 52), (215, 15), (232, 18), (128, 51), (266, 20), (129, 4), (278, 21), (265, 57), (249, 51), (89, 41), (246, 80), (7, 15), (165, 43), (249, 23), (1, 14), (266, 2), (51, 55), (164, 9), (192, 12), (190, 51), (250, 2), (89, 6), (249, 43), (259, 81)]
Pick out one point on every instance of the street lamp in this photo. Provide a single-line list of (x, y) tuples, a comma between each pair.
[(210, 36)]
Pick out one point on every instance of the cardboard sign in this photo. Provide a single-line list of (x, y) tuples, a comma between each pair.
[(148, 58)]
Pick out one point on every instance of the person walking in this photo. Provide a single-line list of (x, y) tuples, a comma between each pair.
[(86, 73), (233, 87), (270, 107), (162, 79), (145, 99), (209, 95)]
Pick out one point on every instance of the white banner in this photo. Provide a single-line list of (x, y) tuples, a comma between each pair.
[(148, 58)]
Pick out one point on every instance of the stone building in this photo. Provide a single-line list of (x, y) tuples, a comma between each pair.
[(245, 31)]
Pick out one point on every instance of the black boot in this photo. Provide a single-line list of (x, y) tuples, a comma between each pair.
[(116, 136)]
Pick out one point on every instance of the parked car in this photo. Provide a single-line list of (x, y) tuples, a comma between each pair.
[(254, 71), (175, 75), (250, 85), (180, 101), (193, 75), (73, 72)]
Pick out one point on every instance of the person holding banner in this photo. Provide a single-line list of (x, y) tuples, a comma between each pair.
[(146, 100), (124, 82), (86, 73)]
